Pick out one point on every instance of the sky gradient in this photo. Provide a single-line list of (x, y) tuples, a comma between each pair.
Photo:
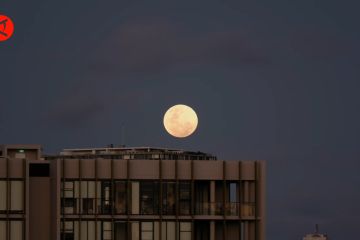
[(270, 80)]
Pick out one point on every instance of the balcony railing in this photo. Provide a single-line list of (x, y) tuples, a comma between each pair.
[(228, 209), (246, 209)]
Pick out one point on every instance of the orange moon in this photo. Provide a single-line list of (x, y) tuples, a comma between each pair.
[(180, 121)]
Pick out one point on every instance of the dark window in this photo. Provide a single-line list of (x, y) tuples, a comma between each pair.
[(184, 198), (168, 201), (67, 236), (202, 230), (67, 230), (202, 197), (149, 192), (39, 170), (88, 205), (120, 197), (120, 230), (68, 205)]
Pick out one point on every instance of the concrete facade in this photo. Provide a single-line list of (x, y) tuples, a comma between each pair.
[(129, 193)]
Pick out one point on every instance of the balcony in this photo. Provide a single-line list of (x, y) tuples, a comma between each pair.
[(246, 209), (229, 209)]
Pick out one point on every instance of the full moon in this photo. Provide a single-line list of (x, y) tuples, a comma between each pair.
[(180, 121)]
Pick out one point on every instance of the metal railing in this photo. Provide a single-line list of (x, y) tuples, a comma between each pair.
[(246, 209), (228, 209)]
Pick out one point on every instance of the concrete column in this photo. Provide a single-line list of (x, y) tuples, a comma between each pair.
[(246, 230), (246, 192), (212, 208), (212, 230)]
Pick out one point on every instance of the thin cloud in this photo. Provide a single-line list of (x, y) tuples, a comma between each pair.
[(153, 47)]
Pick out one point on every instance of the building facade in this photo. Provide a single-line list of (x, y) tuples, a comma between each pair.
[(129, 193)]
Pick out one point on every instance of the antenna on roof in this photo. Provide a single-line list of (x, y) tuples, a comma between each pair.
[(122, 133), (316, 228)]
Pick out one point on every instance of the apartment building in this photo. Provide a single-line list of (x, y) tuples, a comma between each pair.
[(137, 193)]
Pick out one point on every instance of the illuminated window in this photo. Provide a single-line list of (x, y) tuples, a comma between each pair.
[(106, 197)]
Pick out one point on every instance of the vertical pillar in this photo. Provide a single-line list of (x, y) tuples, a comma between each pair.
[(161, 200), (246, 230), (212, 230), (212, 198), (261, 200), (129, 200), (212, 208)]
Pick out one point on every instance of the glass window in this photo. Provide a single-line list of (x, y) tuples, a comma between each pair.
[(107, 231), (135, 198), (168, 201), (87, 189), (67, 189), (149, 196), (202, 197), (147, 231), (106, 197), (184, 198), (17, 196), (91, 230), (168, 231), (233, 192), (248, 198), (232, 199), (120, 197), (67, 230), (185, 231), (2, 230), (68, 194), (3, 196), (88, 205), (121, 230), (87, 229), (69, 205), (135, 231), (16, 230)]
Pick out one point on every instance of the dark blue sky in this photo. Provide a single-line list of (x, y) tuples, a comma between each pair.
[(272, 80)]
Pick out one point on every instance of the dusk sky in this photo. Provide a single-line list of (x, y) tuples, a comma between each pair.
[(273, 80)]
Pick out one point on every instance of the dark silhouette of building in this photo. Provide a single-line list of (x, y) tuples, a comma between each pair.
[(316, 235)]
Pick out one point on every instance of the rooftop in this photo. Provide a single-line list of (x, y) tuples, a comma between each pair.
[(122, 152)]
